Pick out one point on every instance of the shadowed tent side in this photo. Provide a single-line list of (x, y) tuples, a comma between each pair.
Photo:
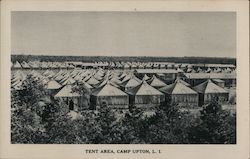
[(181, 94), (71, 98), (156, 82), (209, 90), (145, 96), (110, 95)]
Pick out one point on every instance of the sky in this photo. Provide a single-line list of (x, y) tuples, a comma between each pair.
[(176, 34)]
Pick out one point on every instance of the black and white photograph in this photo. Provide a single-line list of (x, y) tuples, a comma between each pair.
[(89, 77), (124, 79)]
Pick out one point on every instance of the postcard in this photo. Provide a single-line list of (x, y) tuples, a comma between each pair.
[(124, 79)]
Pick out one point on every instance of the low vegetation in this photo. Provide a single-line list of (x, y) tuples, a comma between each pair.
[(37, 118)]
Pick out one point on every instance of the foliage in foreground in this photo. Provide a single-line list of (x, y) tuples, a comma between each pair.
[(35, 119)]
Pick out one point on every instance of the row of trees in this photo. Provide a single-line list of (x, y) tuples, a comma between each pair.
[(204, 60), (41, 120)]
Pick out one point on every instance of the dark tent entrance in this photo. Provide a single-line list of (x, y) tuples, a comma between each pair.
[(71, 105), (131, 99), (201, 99)]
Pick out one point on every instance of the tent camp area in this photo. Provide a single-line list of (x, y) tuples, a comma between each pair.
[(121, 101), (122, 85), (93, 74)]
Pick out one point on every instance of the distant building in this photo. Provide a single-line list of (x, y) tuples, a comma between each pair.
[(197, 78)]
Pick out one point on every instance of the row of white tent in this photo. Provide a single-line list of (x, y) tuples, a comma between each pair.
[(37, 65), (114, 84), (187, 68)]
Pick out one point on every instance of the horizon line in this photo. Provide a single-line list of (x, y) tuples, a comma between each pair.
[(126, 56)]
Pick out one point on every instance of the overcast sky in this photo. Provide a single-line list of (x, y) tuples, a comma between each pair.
[(124, 33)]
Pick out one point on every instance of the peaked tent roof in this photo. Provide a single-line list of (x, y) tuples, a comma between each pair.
[(177, 88), (46, 73), (18, 86), (108, 90), (17, 83), (208, 70), (145, 77), (156, 82), (115, 80), (44, 80), (53, 85), (132, 82), (126, 65), (126, 77), (209, 87), (228, 70), (92, 81), (183, 82), (179, 70), (105, 81), (59, 77), (98, 76), (218, 80), (65, 77), (144, 89), (17, 65), (86, 78), (67, 91), (189, 70), (123, 75), (25, 64), (87, 85), (19, 75), (68, 81)]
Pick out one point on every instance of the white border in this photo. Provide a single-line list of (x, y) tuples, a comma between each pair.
[(238, 151)]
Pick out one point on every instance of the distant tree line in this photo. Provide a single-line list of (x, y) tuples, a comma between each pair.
[(37, 120), (194, 60)]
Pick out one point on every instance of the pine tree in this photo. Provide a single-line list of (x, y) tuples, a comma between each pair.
[(26, 108), (216, 127)]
